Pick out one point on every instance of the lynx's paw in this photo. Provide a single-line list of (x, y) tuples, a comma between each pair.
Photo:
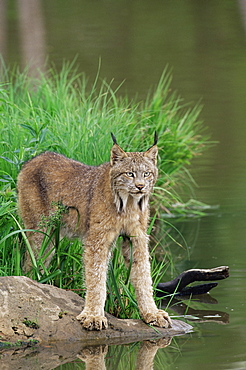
[(91, 322), (158, 318), (94, 354)]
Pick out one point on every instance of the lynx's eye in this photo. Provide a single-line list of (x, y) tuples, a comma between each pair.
[(146, 174), (129, 174)]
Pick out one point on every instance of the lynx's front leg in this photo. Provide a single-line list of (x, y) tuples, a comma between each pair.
[(141, 279), (95, 262)]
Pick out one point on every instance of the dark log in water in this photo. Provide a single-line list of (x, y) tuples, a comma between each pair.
[(179, 284)]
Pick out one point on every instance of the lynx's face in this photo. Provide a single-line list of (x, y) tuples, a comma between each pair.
[(135, 175), (132, 174)]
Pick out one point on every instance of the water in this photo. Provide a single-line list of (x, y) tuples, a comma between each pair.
[(205, 44)]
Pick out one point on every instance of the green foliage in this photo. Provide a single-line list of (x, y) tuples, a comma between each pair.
[(19, 343), (30, 323), (59, 112)]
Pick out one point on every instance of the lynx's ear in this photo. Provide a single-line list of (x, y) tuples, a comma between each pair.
[(152, 152), (116, 152)]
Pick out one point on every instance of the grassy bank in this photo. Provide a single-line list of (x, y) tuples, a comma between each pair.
[(59, 112)]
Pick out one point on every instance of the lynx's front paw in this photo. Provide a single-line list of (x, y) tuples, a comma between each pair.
[(159, 318), (92, 322)]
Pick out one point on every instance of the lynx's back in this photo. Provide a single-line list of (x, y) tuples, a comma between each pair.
[(118, 187), (50, 179)]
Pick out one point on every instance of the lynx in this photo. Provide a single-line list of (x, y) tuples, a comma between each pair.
[(103, 202)]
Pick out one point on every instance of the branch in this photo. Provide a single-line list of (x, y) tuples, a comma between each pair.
[(178, 284)]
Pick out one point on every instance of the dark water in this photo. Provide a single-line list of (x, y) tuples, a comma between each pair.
[(205, 44)]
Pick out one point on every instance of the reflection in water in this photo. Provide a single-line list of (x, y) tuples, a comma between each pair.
[(3, 28), (31, 34), (196, 314), (147, 352), (242, 8), (94, 357)]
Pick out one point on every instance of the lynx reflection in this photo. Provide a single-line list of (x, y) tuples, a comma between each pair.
[(95, 357)]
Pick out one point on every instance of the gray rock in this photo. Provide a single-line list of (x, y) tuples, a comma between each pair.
[(30, 310)]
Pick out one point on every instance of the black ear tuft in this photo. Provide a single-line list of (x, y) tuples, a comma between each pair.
[(114, 138), (155, 138)]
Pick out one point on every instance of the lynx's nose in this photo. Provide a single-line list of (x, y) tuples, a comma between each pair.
[(139, 186)]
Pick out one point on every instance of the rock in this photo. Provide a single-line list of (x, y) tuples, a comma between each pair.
[(34, 311)]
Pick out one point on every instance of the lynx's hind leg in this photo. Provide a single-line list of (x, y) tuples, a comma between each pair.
[(126, 249), (32, 211), (35, 241)]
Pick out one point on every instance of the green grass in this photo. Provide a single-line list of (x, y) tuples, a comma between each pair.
[(59, 112)]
